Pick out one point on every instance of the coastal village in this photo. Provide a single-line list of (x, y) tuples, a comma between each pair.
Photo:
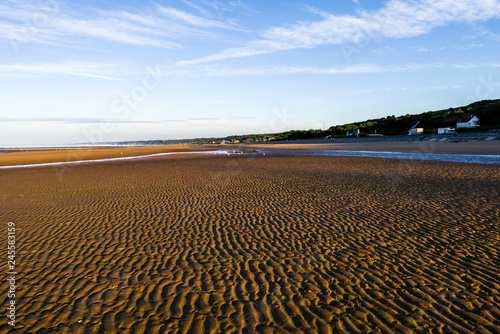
[(477, 121), (465, 123), (451, 124)]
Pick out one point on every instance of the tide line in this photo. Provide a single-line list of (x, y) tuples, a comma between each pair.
[(77, 162)]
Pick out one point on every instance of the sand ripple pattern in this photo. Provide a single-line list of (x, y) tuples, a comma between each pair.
[(264, 244)]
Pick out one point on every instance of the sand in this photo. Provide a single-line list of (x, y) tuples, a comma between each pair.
[(47, 155), (255, 244), (473, 147)]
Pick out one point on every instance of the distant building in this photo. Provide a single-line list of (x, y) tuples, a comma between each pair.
[(445, 131), (249, 140), (469, 122), (356, 133), (224, 142), (416, 131), (268, 138), (373, 133)]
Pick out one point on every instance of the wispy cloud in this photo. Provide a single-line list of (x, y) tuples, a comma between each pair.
[(222, 8), (72, 120), (212, 70), (193, 20), (455, 47), (214, 121), (85, 69), (199, 9), (154, 26), (203, 119), (220, 122), (424, 88), (397, 19)]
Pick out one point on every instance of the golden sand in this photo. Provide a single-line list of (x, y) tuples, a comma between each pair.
[(255, 244), (36, 156)]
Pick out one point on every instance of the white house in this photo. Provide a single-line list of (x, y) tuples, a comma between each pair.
[(268, 138), (356, 132), (472, 122), (416, 131), (443, 131)]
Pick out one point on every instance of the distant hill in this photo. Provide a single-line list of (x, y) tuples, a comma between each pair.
[(488, 112)]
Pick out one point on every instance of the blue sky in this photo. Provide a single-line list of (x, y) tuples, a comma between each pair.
[(85, 71)]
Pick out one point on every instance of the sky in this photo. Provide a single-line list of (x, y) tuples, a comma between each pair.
[(101, 71)]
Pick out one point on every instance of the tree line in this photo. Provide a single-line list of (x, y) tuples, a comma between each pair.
[(487, 111)]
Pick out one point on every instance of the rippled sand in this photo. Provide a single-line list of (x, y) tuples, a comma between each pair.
[(255, 243)]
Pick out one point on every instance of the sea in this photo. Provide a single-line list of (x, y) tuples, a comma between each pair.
[(23, 146), (461, 158)]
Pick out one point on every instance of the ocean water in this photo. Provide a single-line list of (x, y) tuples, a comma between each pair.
[(55, 164), (462, 158), (54, 146)]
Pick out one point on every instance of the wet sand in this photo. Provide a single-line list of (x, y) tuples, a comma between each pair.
[(255, 244), (48, 155), (435, 147)]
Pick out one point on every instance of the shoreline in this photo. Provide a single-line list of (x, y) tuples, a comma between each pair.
[(485, 159), (425, 147), (52, 155), (487, 152), (138, 157)]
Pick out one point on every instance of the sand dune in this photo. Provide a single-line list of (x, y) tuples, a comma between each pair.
[(252, 243)]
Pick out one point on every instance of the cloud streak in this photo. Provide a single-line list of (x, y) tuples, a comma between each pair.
[(398, 19), (85, 69), (73, 120), (155, 26), (210, 70), (193, 20)]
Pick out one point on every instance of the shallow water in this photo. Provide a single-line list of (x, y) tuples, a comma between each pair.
[(50, 164), (463, 158)]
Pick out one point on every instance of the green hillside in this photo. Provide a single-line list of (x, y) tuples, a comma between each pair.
[(488, 112)]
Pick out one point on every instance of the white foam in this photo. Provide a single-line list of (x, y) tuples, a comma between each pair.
[(62, 163), (465, 158)]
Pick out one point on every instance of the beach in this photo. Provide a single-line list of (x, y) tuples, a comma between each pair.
[(254, 243), (60, 157)]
